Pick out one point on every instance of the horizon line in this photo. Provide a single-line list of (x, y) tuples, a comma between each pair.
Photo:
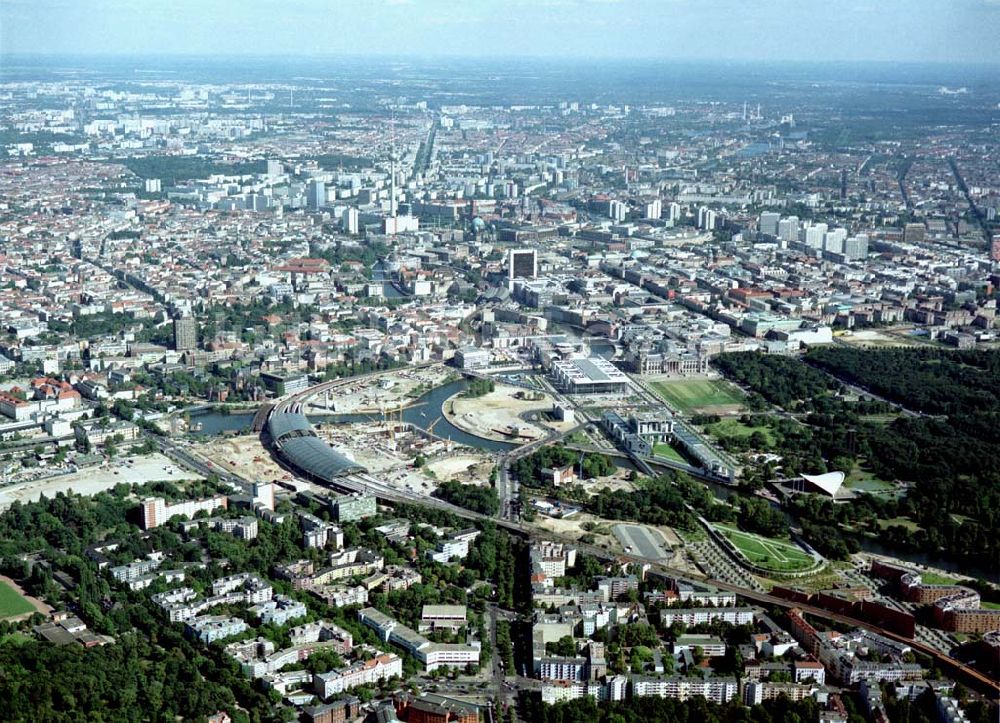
[(85, 55)]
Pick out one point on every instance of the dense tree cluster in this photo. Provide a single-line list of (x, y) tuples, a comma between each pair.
[(477, 498), (661, 501), (479, 387), (171, 170), (529, 469), (934, 381), (955, 493), (783, 381), (131, 680)]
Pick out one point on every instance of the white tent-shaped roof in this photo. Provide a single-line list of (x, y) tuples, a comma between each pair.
[(829, 483)]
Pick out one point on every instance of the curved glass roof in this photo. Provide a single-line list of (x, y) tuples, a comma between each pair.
[(298, 444)]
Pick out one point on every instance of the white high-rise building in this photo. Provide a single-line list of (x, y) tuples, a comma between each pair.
[(833, 241), (673, 211), (350, 222), (617, 211), (654, 209), (812, 236), (856, 247), (788, 229), (707, 218)]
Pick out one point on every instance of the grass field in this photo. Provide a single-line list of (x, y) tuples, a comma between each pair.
[(771, 554), (669, 452), (932, 578), (11, 603), (990, 605), (904, 521), (698, 394), (734, 428)]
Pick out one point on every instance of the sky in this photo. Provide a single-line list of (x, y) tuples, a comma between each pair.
[(961, 31)]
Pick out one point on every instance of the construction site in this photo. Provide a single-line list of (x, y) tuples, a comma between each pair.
[(508, 413)]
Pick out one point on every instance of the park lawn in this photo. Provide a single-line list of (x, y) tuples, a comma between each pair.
[(11, 602), (904, 521), (768, 553), (728, 428), (863, 481), (669, 452), (932, 578), (688, 395)]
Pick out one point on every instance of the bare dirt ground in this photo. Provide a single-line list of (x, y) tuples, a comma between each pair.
[(463, 467), (91, 480), (498, 410), (386, 392), (243, 455)]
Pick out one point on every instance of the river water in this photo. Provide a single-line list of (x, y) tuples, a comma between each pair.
[(423, 413), (379, 274)]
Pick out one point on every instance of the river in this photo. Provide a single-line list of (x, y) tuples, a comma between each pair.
[(424, 412), (379, 274)]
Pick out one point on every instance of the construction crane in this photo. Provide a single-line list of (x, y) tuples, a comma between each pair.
[(430, 428)]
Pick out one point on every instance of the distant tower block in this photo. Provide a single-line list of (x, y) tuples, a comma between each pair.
[(522, 264), (185, 333)]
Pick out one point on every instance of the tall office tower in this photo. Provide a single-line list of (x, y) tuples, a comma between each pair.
[(617, 211), (274, 168), (350, 222), (812, 236), (654, 209), (707, 218), (316, 194), (522, 264), (769, 223), (788, 229), (185, 333), (856, 247), (833, 241)]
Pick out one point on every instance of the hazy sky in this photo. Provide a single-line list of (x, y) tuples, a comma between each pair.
[(931, 30)]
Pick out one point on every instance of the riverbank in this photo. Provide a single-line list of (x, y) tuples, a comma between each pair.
[(498, 415), (389, 392)]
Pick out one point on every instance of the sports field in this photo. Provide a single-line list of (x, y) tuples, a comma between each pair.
[(11, 603), (688, 395), (776, 555)]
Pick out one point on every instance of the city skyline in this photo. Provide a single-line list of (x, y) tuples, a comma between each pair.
[(895, 31)]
